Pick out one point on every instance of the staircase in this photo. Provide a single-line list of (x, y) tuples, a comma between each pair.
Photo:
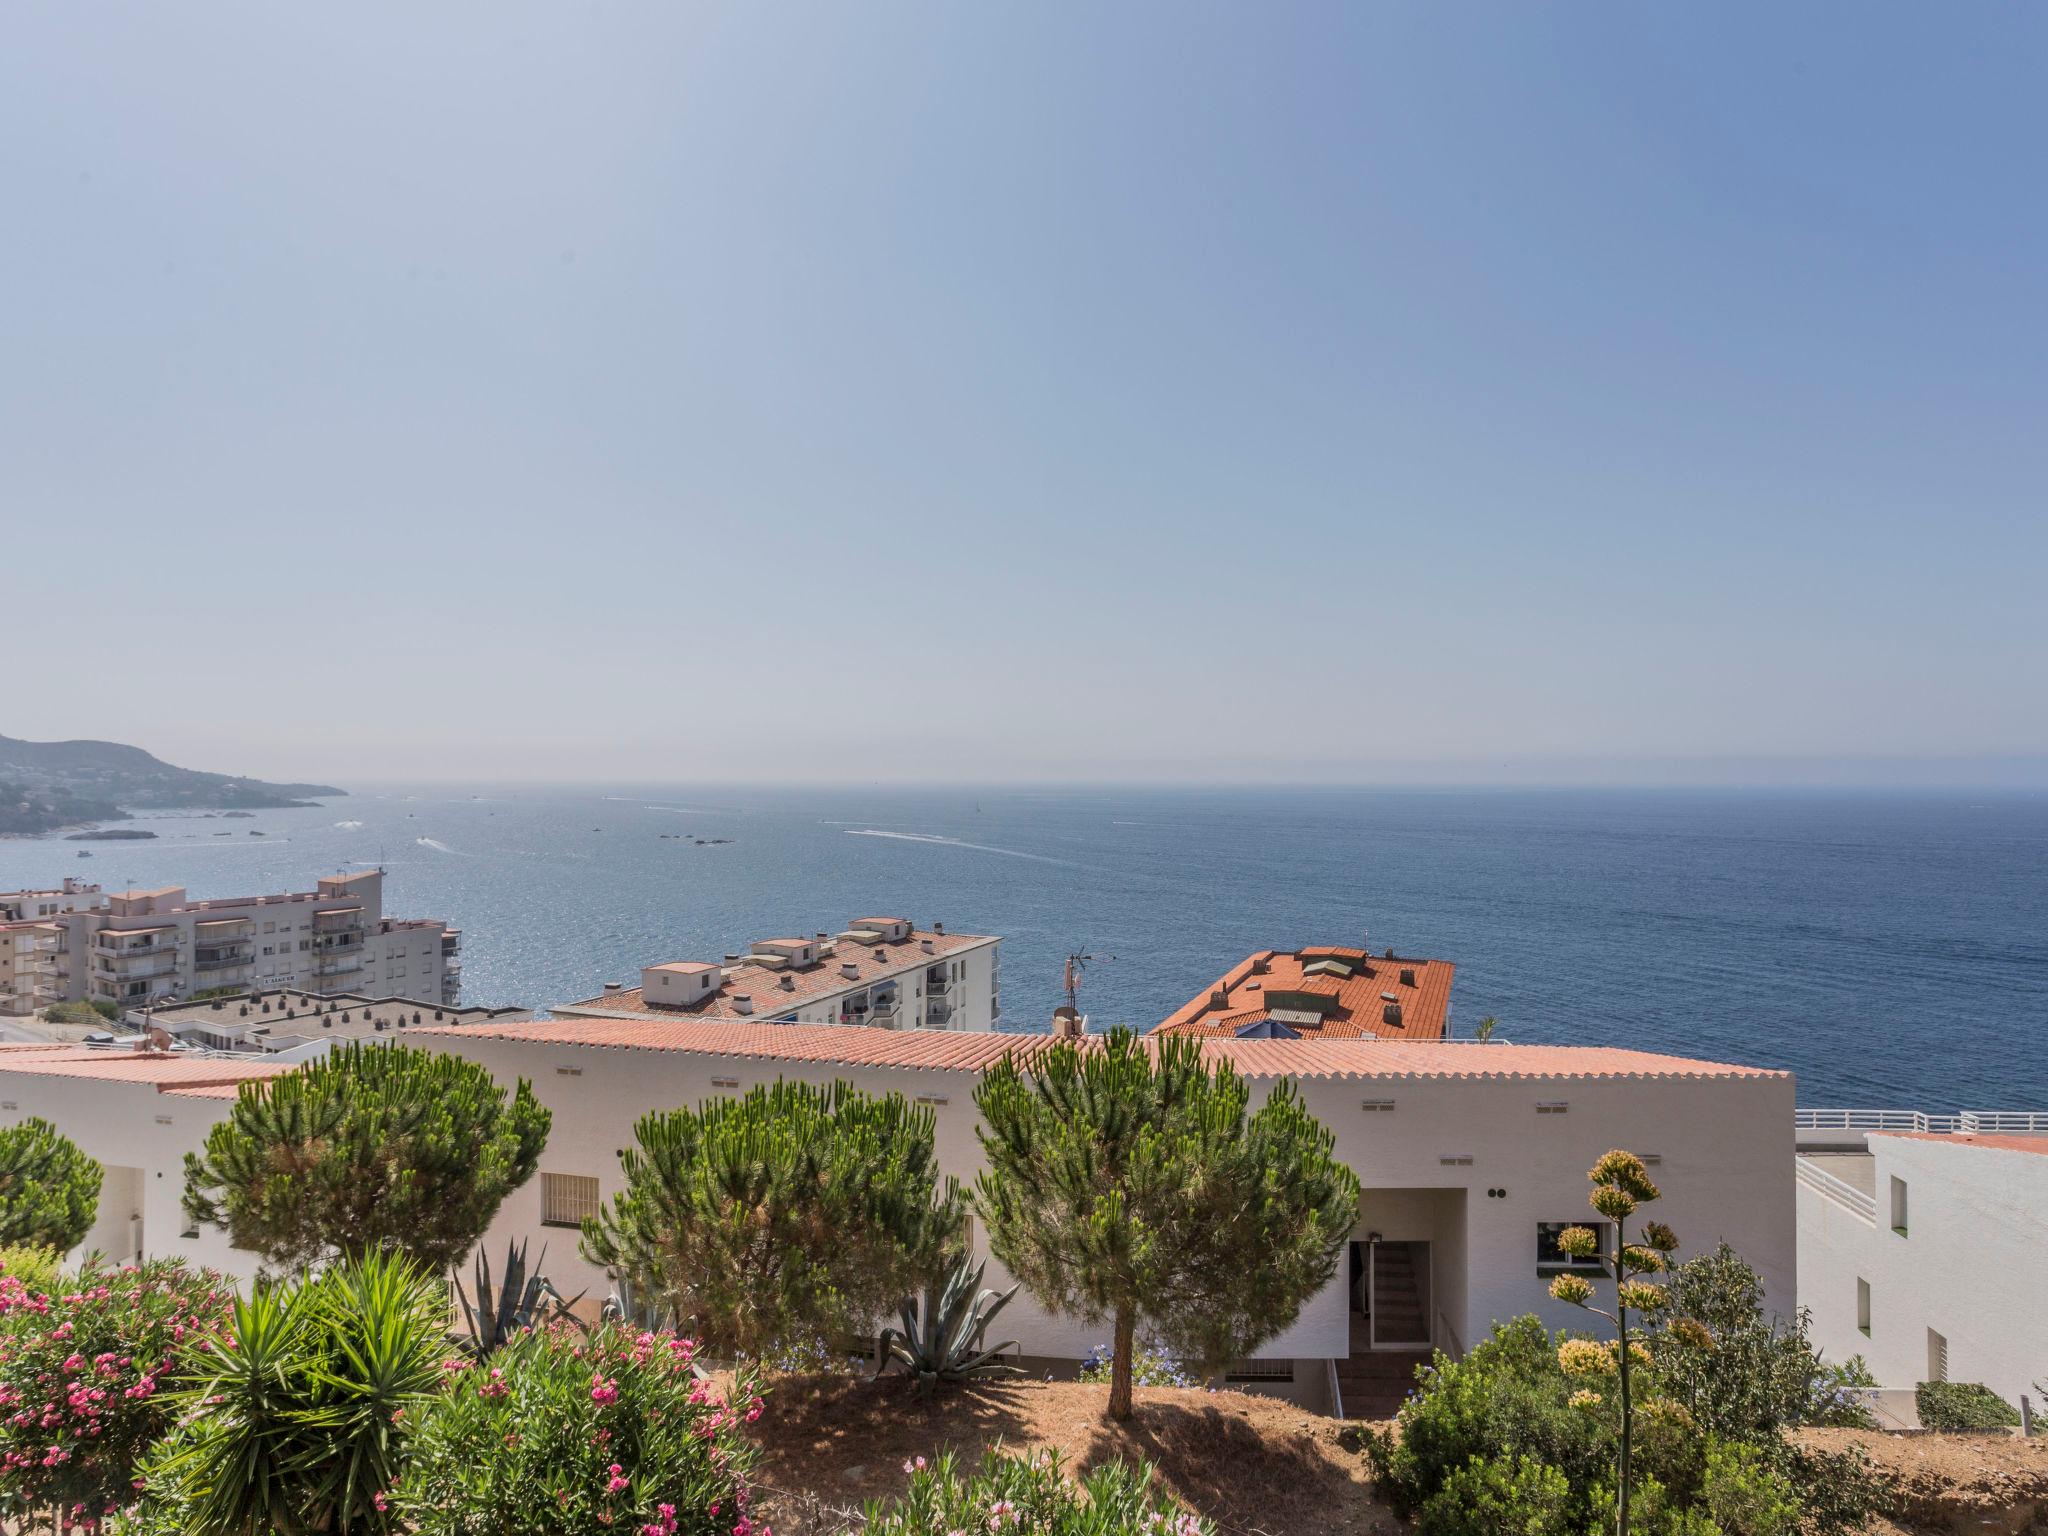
[(1375, 1381)]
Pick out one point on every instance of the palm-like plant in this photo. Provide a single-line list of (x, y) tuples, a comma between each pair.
[(522, 1299), (299, 1426), (943, 1338)]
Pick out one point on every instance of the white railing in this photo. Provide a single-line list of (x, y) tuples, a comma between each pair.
[(1970, 1122), (1843, 1193)]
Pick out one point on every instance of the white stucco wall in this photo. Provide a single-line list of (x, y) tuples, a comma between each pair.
[(1972, 1266), (1725, 1145)]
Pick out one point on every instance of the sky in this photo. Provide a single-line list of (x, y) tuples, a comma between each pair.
[(1012, 391)]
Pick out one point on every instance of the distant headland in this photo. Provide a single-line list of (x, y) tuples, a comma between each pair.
[(52, 786)]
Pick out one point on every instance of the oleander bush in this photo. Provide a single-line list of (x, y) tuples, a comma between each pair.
[(1960, 1405), (83, 1392), (565, 1432), (1030, 1496)]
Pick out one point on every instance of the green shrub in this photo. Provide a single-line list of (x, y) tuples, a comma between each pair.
[(1028, 1496), (1508, 1399), (81, 1379), (38, 1269), (49, 1190), (1840, 1490), (557, 1432), (300, 1423), (1516, 1497), (1958, 1405), (95, 1013), (1745, 1495), (1742, 1374)]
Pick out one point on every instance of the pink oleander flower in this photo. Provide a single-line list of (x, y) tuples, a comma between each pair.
[(604, 1393), (617, 1482)]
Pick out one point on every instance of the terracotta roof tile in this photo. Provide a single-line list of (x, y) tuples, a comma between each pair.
[(116, 1066), (975, 1051), (1359, 1007)]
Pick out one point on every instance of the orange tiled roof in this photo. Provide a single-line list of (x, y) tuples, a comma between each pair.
[(2037, 1144), (166, 1073), (764, 983), (1330, 1005), (977, 1050)]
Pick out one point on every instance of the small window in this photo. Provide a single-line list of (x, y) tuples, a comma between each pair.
[(1549, 1256), (566, 1198), (1937, 1356), (1553, 1107), (1260, 1370), (1377, 1106), (1898, 1205), (1863, 1305)]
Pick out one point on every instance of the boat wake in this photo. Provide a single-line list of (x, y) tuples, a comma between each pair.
[(951, 842), (440, 847)]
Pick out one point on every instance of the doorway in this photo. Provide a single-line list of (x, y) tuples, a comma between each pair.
[(1390, 1295)]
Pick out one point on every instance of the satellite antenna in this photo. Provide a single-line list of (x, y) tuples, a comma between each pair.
[(1077, 964)]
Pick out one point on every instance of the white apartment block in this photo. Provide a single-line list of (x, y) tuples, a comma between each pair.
[(1923, 1247), (882, 972), (147, 948)]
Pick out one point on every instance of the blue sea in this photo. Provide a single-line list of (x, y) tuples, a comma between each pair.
[(1892, 950)]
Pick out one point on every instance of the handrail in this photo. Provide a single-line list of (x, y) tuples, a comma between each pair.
[(1457, 1349), (1843, 1193), (1968, 1122)]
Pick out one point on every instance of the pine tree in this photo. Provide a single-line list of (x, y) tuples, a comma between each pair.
[(1128, 1183), (371, 1147), (49, 1190), (1621, 1186), (792, 1217)]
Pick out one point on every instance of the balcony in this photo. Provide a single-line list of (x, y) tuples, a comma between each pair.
[(139, 966), (209, 961), (339, 944), (338, 920), (936, 986)]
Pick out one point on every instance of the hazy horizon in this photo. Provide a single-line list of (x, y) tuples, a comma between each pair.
[(933, 394)]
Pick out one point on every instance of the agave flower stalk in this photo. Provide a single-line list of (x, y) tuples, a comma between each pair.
[(1621, 1186)]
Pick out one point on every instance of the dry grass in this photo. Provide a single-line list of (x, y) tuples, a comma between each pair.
[(1256, 1466)]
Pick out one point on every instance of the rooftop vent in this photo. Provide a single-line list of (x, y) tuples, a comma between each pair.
[(850, 969), (1407, 976), (742, 1002), (882, 954), (1389, 997), (928, 946), (788, 982), (610, 986), (1391, 1014), (939, 929)]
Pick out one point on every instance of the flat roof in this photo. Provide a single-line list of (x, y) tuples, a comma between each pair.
[(977, 1050), (164, 1072), (763, 983), (1349, 990), (2034, 1144), (307, 1010)]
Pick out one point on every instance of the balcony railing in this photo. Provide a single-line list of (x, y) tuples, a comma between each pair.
[(1843, 1193), (1970, 1122), (222, 962)]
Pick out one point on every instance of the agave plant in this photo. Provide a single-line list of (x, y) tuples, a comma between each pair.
[(942, 1338), (522, 1299)]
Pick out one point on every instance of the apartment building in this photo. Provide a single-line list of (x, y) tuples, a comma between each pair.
[(1923, 1240), (882, 972), (144, 948), (1329, 993)]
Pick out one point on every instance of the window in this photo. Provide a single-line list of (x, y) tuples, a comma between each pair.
[(1863, 1305), (566, 1198), (1550, 1257), (1898, 1205), (1937, 1356), (1260, 1370)]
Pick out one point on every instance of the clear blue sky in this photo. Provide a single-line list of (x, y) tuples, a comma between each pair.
[(999, 392)]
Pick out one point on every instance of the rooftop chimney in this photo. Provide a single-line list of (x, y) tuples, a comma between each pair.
[(610, 986), (850, 969), (787, 982), (742, 1002), (939, 929), (1407, 977), (928, 946), (1069, 1023)]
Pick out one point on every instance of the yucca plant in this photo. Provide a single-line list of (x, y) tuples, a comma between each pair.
[(522, 1299), (943, 1338), (299, 1424)]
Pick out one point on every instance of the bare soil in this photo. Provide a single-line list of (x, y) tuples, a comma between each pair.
[(1256, 1466), (1995, 1484)]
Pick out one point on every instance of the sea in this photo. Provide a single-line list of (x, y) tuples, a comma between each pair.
[(1890, 949)]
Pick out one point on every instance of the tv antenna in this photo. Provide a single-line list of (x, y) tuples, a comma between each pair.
[(1077, 964)]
